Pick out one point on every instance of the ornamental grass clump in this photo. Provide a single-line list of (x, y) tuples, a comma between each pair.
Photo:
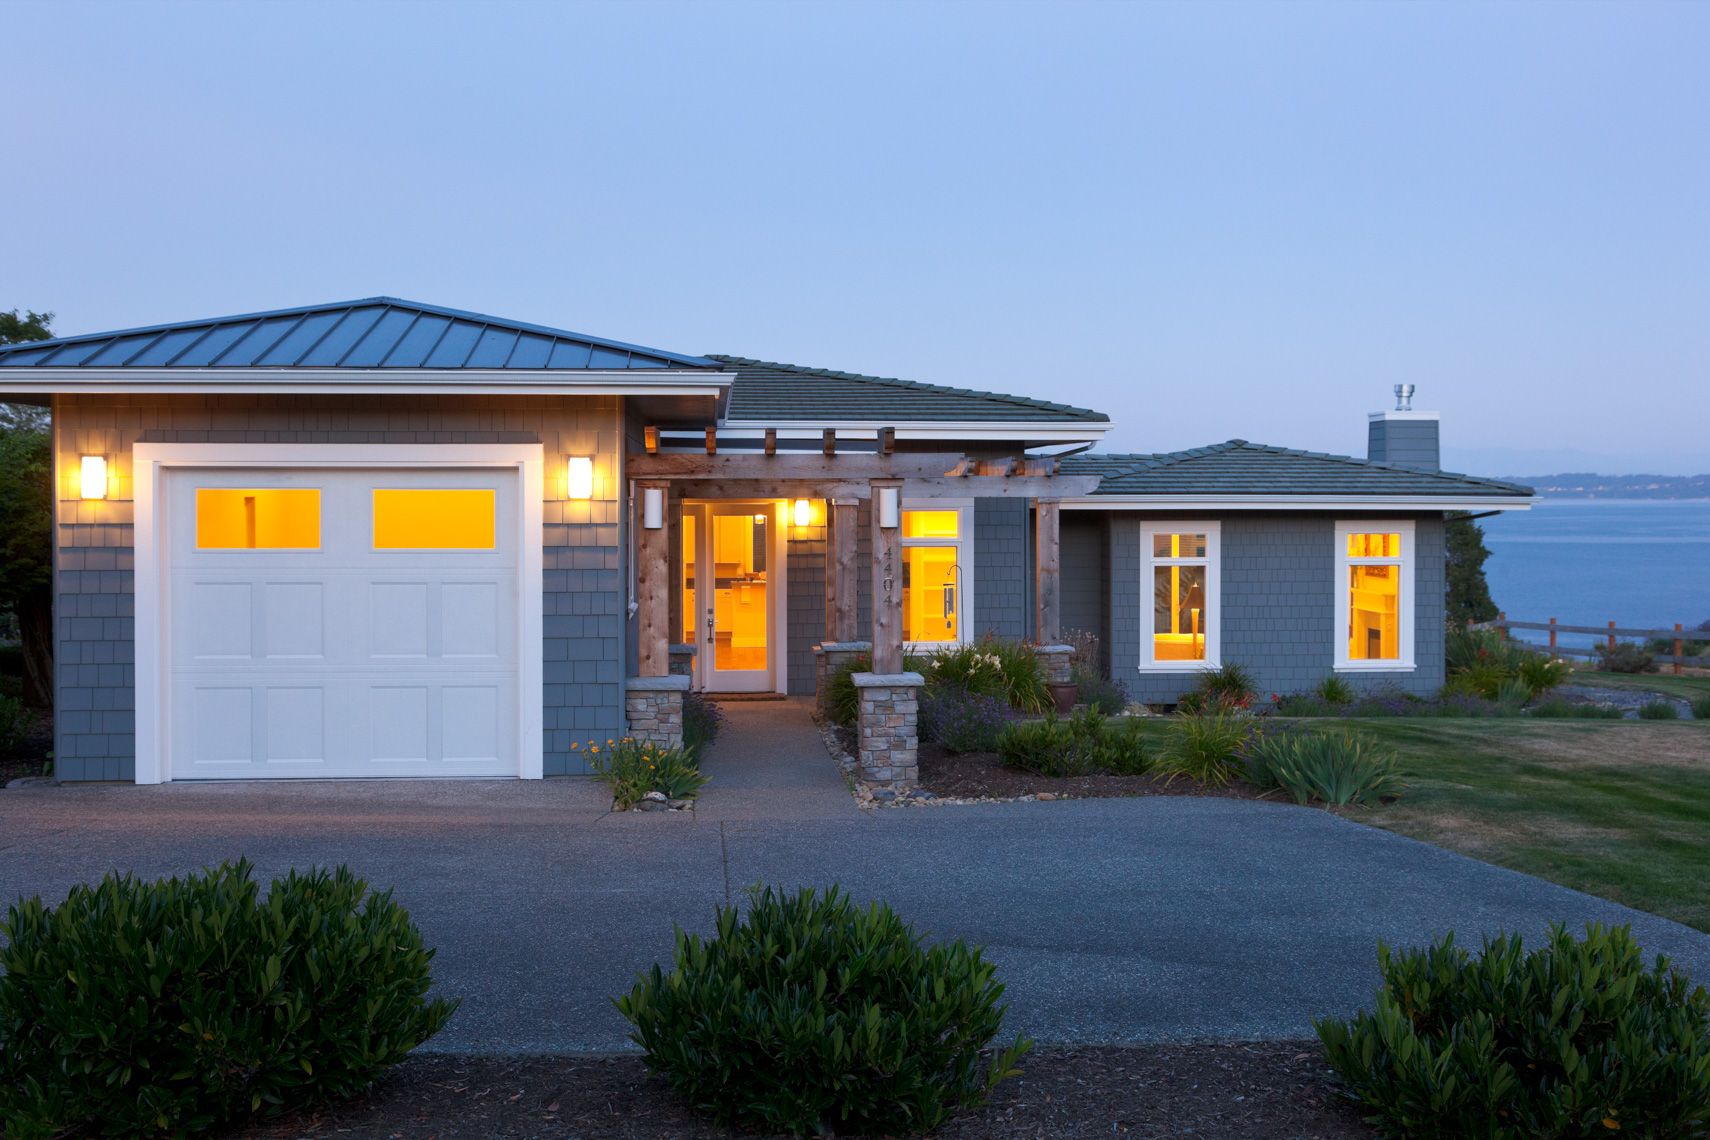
[(1659, 710), (1575, 1039), (1701, 708), (1227, 688), (1205, 747), (631, 768), (809, 1015), (181, 1005), (1333, 767)]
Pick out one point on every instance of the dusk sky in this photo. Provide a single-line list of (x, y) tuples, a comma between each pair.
[(1209, 221)]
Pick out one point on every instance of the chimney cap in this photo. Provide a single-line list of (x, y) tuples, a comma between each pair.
[(1404, 397)]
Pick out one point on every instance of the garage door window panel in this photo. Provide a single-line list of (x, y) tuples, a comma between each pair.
[(416, 518), (258, 518)]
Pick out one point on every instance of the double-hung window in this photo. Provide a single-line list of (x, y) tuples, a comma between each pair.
[(935, 594), (1179, 587), (1374, 595)]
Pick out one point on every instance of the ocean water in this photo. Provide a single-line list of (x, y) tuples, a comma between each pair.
[(1641, 563)]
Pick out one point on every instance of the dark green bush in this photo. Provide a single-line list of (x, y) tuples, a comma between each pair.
[(1079, 746), (1701, 708), (1335, 767), (15, 722), (1098, 692), (1659, 710), (810, 1014), (844, 702), (170, 1007), (1624, 657), (1576, 1039)]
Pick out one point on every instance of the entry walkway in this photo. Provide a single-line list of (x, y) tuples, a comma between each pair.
[(770, 763), (1162, 918)]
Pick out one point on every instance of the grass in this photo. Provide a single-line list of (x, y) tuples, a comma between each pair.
[(1617, 809), (1687, 688)]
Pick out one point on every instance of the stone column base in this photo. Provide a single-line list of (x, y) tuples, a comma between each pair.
[(654, 708), (682, 661), (827, 660), (889, 729), (1055, 659)]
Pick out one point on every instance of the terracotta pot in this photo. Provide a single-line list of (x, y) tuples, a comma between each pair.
[(1065, 696)]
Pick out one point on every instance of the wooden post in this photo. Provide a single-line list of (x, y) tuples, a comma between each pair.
[(887, 587), (1552, 636), (653, 589), (1049, 626), (712, 441), (674, 591), (845, 576), (1677, 649), (1611, 637)]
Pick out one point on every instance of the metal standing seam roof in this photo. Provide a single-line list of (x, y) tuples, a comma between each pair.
[(1241, 468), (377, 332), (765, 391)]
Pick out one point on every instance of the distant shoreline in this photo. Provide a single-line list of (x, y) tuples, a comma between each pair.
[(1587, 486)]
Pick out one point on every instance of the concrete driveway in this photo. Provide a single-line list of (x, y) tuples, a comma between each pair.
[(1141, 919)]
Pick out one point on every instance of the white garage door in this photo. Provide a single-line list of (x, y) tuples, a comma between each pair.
[(335, 623)]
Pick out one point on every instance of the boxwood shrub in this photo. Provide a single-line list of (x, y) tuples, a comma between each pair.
[(170, 1007), (810, 1014), (1575, 1039)]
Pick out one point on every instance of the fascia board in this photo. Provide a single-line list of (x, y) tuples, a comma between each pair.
[(367, 381), (1053, 430), (1297, 502)]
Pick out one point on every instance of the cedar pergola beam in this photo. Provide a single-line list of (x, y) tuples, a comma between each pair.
[(968, 487), (750, 465)]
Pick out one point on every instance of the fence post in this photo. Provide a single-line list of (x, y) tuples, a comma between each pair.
[(1677, 649), (1552, 637), (1611, 637), (1502, 627)]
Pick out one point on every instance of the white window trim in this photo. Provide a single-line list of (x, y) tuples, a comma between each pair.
[(963, 542), (1213, 562), (149, 462), (1404, 527)]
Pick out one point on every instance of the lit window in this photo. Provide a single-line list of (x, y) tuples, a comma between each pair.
[(1180, 626), (1375, 595), (258, 518), (933, 590), (434, 519)]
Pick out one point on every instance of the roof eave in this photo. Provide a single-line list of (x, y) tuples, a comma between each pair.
[(1353, 502), (365, 381), (1046, 431)]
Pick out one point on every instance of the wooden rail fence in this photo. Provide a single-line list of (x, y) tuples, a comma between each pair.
[(1612, 631)]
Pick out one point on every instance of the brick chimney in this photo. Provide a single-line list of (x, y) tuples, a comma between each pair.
[(1403, 435)]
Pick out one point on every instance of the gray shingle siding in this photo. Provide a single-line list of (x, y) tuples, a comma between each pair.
[(582, 609), (805, 603), (1002, 588), (1279, 605), (1084, 562)]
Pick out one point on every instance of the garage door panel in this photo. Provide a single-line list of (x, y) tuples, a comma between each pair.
[(343, 660)]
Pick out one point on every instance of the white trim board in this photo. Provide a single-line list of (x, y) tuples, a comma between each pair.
[(1213, 562), (151, 460), (1404, 661), (1297, 503)]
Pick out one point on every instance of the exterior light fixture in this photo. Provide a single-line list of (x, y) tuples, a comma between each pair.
[(804, 513), (581, 477), (653, 507), (890, 512), (94, 477)]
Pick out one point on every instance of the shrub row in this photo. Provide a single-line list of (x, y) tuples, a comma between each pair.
[(1079, 746)]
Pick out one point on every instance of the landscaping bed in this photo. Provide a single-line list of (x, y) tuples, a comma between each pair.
[(1236, 1090), (974, 775)]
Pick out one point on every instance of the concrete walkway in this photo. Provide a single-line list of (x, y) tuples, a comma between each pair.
[(1142, 919)]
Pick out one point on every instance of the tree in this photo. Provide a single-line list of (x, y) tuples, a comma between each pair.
[(26, 519), (1468, 593)]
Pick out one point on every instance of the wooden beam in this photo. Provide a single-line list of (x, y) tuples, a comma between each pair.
[(771, 441), (887, 440), (854, 467), (972, 487), (712, 441), (1049, 625), (846, 573), (650, 436), (831, 441), (653, 590), (887, 588)]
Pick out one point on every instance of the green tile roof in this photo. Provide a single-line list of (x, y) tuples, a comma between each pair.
[(764, 391), (1242, 468)]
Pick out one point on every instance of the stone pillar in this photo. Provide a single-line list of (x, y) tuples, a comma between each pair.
[(1055, 660), (828, 658), (654, 708), (889, 720), (682, 660)]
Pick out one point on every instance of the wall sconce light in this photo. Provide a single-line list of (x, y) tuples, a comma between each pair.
[(94, 477), (804, 512), (581, 477), (653, 507), (890, 513)]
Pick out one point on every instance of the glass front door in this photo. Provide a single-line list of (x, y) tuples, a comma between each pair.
[(728, 593)]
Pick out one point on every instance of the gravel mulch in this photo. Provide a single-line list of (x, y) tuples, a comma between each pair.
[(974, 774), (1238, 1091)]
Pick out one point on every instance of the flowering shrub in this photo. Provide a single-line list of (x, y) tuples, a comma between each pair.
[(962, 721), (995, 667), (1226, 689), (702, 719), (631, 768)]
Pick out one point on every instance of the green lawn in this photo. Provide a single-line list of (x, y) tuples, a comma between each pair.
[(1619, 809), (1688, 688)]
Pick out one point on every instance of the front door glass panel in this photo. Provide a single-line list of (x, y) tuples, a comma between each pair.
[(929, 593), (739, 591)]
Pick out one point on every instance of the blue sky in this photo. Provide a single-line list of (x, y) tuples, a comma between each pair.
[(1210, 221)]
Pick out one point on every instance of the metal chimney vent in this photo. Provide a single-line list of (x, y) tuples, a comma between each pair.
[(1404, 397)]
